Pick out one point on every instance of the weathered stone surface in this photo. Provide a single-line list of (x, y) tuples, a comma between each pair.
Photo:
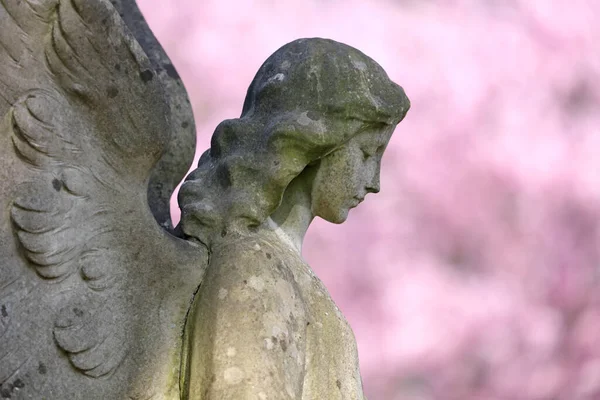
[(93, 293), (316, 121), (97, 301), (179, 153)]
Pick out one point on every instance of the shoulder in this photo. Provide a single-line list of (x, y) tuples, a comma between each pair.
[(253, 255), (251, 269)]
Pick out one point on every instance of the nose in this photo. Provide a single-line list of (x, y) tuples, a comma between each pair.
[(373, 186)]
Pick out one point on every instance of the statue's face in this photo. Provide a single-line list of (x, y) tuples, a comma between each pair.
[(347, 175)]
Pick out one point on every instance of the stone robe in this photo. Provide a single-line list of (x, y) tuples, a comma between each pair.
[(263, 326)]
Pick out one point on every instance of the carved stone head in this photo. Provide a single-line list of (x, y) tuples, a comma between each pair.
[(313, 101)]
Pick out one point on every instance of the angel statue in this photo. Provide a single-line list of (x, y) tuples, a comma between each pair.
[(100, 298)]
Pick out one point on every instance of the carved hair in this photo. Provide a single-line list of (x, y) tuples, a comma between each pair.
[(308, 99)]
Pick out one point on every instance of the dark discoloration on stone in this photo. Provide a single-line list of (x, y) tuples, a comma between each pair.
[(117, 67), (185, 124), (3, 311), (6, 391), (57, 184), (78, 312), (313, 115), (42, 369), (283, 344), (338, 383), (269, 256), (295, 325), (112, 92), (146, 76)]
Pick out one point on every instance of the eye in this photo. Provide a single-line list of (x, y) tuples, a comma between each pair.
[(368, 152)]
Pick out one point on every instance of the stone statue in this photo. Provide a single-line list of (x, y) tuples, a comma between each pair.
[(100, 298), (316, 121)]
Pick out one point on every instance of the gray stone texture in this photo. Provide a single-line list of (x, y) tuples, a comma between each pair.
[(93, 292), (179, 153), (98, 298), (316, 121)]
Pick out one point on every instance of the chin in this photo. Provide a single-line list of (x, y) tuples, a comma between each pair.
[(336, 218)]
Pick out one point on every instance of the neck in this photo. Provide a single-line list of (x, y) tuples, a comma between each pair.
[(293, 217)]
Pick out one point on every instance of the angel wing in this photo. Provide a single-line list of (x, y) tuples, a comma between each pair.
[(179, 153), (93, 293)]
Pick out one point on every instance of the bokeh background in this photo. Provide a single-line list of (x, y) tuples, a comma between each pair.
[(474, 273)]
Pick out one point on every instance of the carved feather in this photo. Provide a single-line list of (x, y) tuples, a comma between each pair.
[(89, 271)]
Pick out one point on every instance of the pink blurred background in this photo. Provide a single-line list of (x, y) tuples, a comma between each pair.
[(474, 273)]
